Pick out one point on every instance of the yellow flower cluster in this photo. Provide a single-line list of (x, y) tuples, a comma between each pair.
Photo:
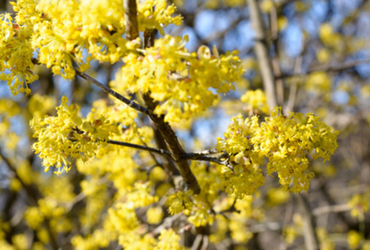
[(155, 14), (8, 109), (180, 201), (16, 55), (285, 141), (184, 83), (67, 135), (359, 204), (168, 240), (70, 33), (256, 100), (318, 83)]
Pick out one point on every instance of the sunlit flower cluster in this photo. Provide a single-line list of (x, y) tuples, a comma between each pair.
[(66, 34), (16, 55), (67, 135), (286, 142), (184, 83), (155, 14)]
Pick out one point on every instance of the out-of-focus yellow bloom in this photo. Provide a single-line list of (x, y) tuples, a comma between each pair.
[(20, 242), (301, 6), (168, 240), (40, 105), (359, 204), (33, 217), (329, 37), (135, 241), (140, 195), (256, 100), (201, 215), (353, 238), (266, 6), (154, 215), (282, 22), (325, 242), (323, 55), (239, 231), (290, 233), (366, 245), (43, 235), (277, 196), (318, 83)]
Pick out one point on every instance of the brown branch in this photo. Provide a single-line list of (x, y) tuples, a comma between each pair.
[(293, 87), (206, 152), (310, 238), (110, 91), (275, 58), (150, 149), (176, 151), (196, 156), (132, 31), (330, 68), (262, 53)]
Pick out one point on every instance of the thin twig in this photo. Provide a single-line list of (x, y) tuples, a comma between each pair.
[(293, 87), (310, 237), (205, 152), (110, 91), (331, 209), (330, 68), (167, 223), (150, 149), (275, 58)]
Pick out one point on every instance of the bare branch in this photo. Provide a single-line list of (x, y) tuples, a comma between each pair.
[(310, 238), (177, 152), (205, 152), (293, 87), (262, 53), (132, 31), (331, 209), (131, 145), (110, 91), (330, 68)]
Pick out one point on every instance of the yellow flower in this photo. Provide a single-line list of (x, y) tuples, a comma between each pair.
[(168, 240), (67, 135), (285, 141), (180, 201), (256, 100), (183, 83), (33, 217), (154, 215), (353, 239), (359, 204)]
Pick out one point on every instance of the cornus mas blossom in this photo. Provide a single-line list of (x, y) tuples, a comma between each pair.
[(285, 141), (67, 135), (66, 36), (181, 81)]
